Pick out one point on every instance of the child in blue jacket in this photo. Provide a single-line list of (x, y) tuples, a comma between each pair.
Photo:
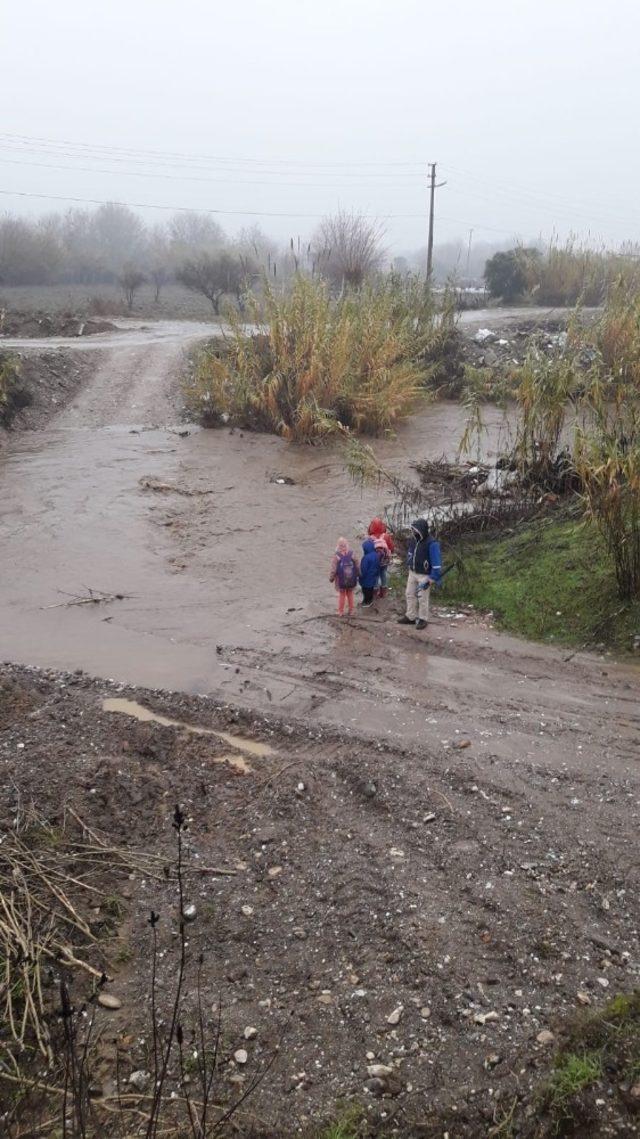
[(369, 571)]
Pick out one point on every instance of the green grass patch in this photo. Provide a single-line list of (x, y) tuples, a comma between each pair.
[(574, 1072), (599, 1047), (548, 580), (350, 1125)]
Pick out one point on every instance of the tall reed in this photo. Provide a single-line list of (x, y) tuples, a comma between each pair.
[(316, 364)]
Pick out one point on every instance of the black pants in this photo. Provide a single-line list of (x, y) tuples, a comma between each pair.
[(367, 594)]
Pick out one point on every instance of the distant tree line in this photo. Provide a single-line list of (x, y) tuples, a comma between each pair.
[(112, 245)]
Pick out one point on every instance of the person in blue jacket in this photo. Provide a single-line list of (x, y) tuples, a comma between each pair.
[(424, 563), (369, 571)]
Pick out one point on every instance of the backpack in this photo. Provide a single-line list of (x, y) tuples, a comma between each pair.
[(346, 573), (383, 552)]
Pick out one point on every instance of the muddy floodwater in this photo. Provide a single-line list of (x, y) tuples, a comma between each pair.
[(215, 573), (204, 546)]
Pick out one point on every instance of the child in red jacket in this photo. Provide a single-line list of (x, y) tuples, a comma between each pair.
[(384, 546), (345, 568)]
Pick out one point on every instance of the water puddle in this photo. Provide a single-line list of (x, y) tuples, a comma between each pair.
[(240, 743)]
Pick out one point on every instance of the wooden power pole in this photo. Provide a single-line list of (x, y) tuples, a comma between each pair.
[(433, 186)]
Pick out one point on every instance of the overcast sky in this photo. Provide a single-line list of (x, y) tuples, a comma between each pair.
[(301, 107)]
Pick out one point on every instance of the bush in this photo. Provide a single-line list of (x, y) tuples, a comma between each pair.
[(510, 275), (563, 275), (319, 364)]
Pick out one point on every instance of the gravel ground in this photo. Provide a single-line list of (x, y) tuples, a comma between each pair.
[(383, 908)]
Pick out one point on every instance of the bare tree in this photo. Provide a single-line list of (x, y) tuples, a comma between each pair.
[(347, 249), (130, 280), (214, 276), (159, 275), (117, 235), (190, 234)]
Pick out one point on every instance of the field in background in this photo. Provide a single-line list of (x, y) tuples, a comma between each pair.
[(107, 300)]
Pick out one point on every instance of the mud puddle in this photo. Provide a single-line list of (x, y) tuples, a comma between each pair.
[(246, 746)]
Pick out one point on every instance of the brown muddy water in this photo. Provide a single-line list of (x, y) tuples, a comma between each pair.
[(222, 575), (223, 555)]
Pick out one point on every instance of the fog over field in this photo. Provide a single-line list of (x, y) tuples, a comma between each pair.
[(278, 114)]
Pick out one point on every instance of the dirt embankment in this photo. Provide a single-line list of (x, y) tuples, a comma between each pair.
[(373, 907), (41, 385), (32, 323)]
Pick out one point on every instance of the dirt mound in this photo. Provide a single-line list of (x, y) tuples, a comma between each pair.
[(408, 938), (38, 324), (40, 385)]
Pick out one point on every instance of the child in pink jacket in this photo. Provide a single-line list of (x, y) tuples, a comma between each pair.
[(345, 568)]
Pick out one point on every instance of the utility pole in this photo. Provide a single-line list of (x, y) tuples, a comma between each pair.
[(469, 251), (433, 186)]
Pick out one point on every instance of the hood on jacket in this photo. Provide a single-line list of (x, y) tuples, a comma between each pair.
[(377, 528), (368, 546), (420, 528), (342, 547)]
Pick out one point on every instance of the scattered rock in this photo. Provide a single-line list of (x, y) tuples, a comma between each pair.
[(189, 913), (140, 1080), (250, 1033), (395, 1016), (109, 1001), (583, 998), (485, 1017), (247, 911), (459, 745), (241, 1056), (425, 1012), (545, 1037), (379, 1071)]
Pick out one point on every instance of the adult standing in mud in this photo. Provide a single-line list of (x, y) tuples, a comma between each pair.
[(424, 564)]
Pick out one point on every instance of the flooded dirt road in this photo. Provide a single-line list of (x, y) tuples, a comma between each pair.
[(223, 577)]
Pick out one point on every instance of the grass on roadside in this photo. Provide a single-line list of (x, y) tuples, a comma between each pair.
[(351, 1124), (548, 580), (600, 1047)]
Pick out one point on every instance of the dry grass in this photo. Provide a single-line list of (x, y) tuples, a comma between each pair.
[(572, 273), (318, 364)]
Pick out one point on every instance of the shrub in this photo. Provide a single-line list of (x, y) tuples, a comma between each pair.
[(607, 446), (510, 275), (319, 364)]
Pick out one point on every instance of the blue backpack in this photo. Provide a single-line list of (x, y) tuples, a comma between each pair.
[(346, 573)]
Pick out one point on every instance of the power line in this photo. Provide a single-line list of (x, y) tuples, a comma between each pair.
[(172, 177), (240, 213), (226, 169), (203, 157), (184, 209)]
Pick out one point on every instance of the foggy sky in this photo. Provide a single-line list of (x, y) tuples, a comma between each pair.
[(301, 107)]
